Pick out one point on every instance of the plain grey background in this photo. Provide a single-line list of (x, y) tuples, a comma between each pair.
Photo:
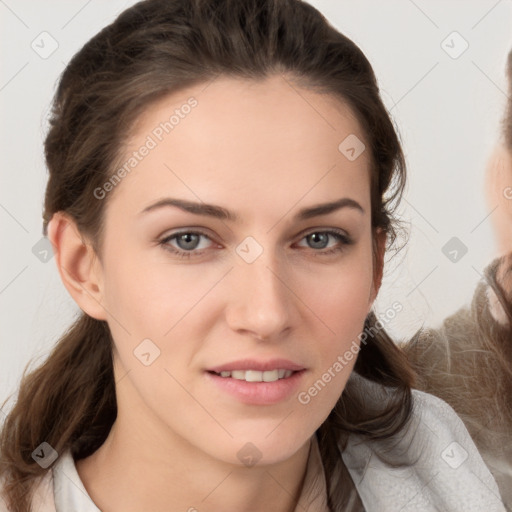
[(447, 104)]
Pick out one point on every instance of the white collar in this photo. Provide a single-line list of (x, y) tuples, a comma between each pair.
[(68, 490)]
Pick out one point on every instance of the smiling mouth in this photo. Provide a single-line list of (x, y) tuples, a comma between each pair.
[(255, 375)]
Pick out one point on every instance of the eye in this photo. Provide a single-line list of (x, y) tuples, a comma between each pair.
[(320, 240), (187, 243)]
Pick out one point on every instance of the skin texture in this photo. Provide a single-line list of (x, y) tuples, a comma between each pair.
[(499, 196), (264, 150)]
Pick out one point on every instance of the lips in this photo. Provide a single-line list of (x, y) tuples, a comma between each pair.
[(258, 392)]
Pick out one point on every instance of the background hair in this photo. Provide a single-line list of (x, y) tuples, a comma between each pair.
[(152, 49), (467, 363)]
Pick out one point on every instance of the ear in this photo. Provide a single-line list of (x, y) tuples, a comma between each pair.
[(78, 265), (379, 250)]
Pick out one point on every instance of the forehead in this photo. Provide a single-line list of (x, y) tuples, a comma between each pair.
[(237, 141)]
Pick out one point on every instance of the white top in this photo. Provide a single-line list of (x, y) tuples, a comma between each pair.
[(449, 476)]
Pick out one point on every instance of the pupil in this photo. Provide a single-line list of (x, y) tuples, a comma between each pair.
[(188, 238), (323, 237)]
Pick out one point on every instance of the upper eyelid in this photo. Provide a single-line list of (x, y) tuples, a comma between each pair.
[(185, 232)]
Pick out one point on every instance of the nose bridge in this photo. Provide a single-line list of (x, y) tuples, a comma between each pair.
[(261, 303)]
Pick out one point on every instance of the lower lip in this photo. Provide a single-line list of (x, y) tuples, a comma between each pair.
[(259, 393)]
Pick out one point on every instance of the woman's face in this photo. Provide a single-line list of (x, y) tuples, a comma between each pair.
[(255, 284)]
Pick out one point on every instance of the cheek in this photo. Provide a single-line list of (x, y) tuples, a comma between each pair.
[(340, 294), (164, 302), (150, 296), (341, 299), (343, 311), (340, 302)]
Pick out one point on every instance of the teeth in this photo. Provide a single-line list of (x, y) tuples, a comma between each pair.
[(270, 376), (257, 376)]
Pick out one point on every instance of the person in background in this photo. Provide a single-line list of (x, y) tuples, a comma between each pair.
[(468, 360)]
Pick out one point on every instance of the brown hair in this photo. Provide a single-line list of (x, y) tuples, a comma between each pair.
[(152, 49)]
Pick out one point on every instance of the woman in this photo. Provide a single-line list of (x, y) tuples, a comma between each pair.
[(223, 177)]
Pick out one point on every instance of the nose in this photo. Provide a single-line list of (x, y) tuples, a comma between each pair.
[(260, 303)]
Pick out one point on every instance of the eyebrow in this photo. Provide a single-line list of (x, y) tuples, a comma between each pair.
[(219, 212)]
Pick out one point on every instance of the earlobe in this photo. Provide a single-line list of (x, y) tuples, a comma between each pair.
[(77, 264)]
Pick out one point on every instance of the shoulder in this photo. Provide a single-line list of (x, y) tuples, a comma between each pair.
[(58, 489), (432, 464), (432, 414)]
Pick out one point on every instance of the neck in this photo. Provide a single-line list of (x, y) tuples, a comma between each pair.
[(144, 465)]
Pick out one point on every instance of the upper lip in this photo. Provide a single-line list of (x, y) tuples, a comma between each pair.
[(252, 364)]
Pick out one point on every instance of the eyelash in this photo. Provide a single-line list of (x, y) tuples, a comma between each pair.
[(339, 235)]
